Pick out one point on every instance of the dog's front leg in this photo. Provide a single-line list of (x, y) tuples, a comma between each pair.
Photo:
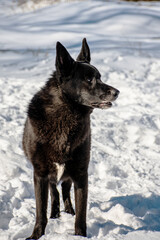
[(81, 192), (41, 194)]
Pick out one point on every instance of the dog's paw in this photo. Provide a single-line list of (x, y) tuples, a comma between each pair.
[(37, 232), (80, 232), (35, 236), (55, 215), (70, 210), (32, 237)]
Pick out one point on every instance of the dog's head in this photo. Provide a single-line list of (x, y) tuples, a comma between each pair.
[(81, 81)]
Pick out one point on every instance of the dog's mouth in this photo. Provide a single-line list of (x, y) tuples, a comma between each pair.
[(102, 105)]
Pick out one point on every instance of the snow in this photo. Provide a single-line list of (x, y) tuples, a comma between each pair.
[(124, 172)]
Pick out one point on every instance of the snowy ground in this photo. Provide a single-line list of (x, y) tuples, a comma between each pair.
[(124, 173)]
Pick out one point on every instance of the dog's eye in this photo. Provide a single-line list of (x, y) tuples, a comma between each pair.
[(89, 80)]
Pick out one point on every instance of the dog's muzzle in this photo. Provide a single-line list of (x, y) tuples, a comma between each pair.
[(106, 99)]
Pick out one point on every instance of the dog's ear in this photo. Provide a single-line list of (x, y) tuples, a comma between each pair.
[(85, 52), (64, 62)]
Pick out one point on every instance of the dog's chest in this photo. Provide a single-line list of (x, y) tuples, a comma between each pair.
[(60, 135), (68, 128), (60, 170)]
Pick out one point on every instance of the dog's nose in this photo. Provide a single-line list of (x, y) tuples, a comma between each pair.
[(111, 92), (115, 92)]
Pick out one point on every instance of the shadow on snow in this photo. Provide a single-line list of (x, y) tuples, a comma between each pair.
[(144, 211)]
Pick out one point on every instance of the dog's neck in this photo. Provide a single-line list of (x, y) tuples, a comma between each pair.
[(74, 104)]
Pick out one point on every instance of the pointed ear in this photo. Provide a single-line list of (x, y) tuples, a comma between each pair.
[(64, 62), (85, 52)]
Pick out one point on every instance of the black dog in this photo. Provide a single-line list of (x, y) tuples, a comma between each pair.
[(57, 135)]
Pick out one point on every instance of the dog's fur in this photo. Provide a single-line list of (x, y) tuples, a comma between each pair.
[(57, 135)]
